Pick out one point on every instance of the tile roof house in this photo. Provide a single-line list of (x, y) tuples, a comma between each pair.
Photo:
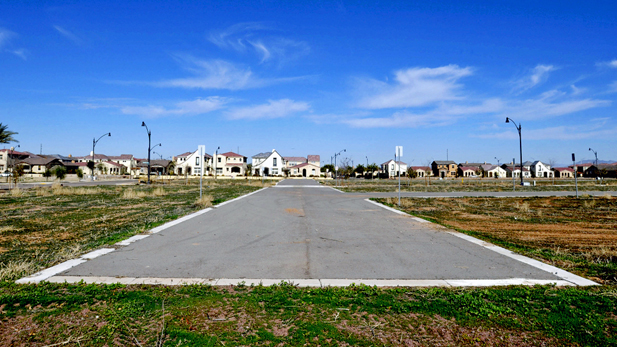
[(305, 170), (564, 172), (468, 171), (422, 171), (444, 168), (268, 164), (190, 164), (230, 164)]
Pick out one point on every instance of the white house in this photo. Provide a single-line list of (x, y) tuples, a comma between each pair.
[(516, 171), (191, 164), (392, 168), (268, 163), (539, 169), (493, 171)]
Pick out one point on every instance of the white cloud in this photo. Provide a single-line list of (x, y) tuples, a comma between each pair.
[(549, 104), (184, 108), (612, 88), (273, 109), (214, 74), (69, 35), (414, 87), (6, 36), (568, 133), (538, 75), (611, 64), (441, 116), (250, 37)]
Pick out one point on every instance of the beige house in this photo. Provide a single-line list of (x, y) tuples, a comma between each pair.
[(422, 171), (444, 168), (38, 165), (305, 170), (467, 171), (564, 172), (230, 164), (9, 158)]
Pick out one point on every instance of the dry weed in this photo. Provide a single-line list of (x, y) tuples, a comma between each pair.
[(16, 269), (159, 192), (204, 201), (523, 207), (132, 194), (43, 192), (16, 192), (589, 203)]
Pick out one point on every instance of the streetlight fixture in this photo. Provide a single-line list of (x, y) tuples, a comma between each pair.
[(520, 142), (94, 142), (336, 167), (498, 160), (159, 154)]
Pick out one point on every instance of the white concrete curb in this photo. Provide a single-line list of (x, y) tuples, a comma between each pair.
[(565, 275), (303, 282)]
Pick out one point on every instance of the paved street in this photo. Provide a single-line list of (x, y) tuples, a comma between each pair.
[(301, 230)]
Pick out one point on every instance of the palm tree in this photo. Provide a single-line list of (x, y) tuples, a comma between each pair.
[(5, 135)]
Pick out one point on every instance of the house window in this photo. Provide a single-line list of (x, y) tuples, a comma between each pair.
[(219, 160), (273, 161), (196, 161)]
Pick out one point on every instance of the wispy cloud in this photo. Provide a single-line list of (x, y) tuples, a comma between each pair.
[(612, 88), (611, 64), (538, 75), (184, 108), (596, 129), (253, 38), (549, 104), (273, 109), (413, 87), (441, 116), (6, 36), (69, 35), (218, 74)]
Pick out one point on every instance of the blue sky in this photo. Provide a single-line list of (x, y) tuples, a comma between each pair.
[(313, 78)]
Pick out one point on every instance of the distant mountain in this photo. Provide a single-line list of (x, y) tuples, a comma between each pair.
[(588, 161)]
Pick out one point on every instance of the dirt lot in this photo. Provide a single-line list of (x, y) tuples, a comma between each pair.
[(579, 235)]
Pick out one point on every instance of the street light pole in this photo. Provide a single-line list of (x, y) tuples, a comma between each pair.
[(143, 124), (520, 142), (94, 142), (596, 154), (216, 158), (336, 167), (498, 160)]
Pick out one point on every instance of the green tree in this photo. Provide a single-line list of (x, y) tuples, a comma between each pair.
[(327, 168), (360, 169), (6, 136), (411, 173), (60, 172), (47, 174), (80, 173), (90, 166), (100, 167), (249, 170), (372, 168), (18, 171)]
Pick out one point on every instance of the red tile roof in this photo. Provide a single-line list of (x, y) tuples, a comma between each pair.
[(234, 164), (232, 154), (313, 157)]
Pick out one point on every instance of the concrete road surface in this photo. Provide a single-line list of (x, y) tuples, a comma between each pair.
[(304, 231)]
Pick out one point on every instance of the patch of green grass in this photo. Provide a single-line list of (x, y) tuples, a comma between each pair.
[(43, 226), (360, 315)]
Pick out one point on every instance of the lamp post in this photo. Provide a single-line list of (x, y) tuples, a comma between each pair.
[(498, 160), (336, 167), (520, 142), (94, 142), (216, 158), (159, 154), (143, 124), (596, 154)]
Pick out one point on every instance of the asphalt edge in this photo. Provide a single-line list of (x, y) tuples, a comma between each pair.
[(564, 275), (56, 269)]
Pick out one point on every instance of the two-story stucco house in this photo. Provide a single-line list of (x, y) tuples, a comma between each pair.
[(230, 164), (268, 164), (392, 168), (444, 168), (539, 169), (190, 164)]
